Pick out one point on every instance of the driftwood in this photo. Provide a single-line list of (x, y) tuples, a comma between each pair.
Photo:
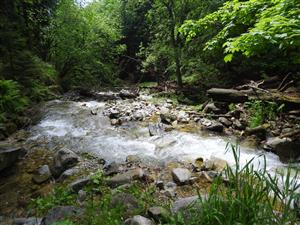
[(227, 95)]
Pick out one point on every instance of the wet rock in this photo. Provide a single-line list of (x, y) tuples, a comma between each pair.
[(114, 114), (124, 94), (183, 117), (79, 184), (115, 122), (181, 175), (213, 126), (197, 164), (112, 168), (159, 184), (159, 214), (155, 129), (271, 143), (183, 203), (68, 173), (125, 178), (167, 118), (133, 159), (226, 122), (42, 174), (27, 221), (127, 201), (9, 156), (215, 164), (288, 151), (60, 213), (211, 108), (238, 125), (64, 159), (138, 220)]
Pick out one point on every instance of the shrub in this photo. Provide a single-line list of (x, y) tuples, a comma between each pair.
[(11, 99)]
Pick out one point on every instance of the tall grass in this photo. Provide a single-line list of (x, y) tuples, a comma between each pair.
[(249, 197)]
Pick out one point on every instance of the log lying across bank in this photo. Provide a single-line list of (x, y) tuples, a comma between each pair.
[(240, 96)]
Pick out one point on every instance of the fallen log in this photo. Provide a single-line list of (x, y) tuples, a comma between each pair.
[(227, 95)]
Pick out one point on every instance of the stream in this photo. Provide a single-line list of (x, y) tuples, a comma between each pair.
[(71, 124)]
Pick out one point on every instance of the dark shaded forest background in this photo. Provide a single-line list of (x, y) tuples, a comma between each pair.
[(49, 47)]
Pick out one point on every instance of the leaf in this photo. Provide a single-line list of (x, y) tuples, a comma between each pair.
[(228, 58)]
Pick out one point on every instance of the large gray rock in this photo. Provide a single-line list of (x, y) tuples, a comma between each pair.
[(271, 143), (138, 220), (125, 178), (211, 125), (42, 174), (226, 122), (61, 213), (211, 108), (127, 201), (181, 175), (63, 159), (8, 156), (79, 184)]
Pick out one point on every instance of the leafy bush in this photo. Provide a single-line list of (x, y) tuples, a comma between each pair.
[(11, 99), (59, 196), (260, 111)]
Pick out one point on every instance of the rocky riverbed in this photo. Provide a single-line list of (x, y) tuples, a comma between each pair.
[(130, 138)]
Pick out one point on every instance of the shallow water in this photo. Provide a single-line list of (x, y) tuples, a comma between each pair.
[(71, 124)]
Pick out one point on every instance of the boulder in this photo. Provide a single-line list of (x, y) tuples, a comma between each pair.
[(159, 214), (9, 156), (271, 143), (167, 118), (211, 125), (79, 184), (112, 168), (226, 122), (114, 114), (215, 164), (288, 151), (124, 94), (127, 201), (60, 213), (42, 174), (181, 175), (138, 220), (68, 173), (125, 178), (63, 159), (211, 108)]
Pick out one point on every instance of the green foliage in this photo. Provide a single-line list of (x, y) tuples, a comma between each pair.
[(85, 42), (260, 29), (260, 111), (246, 199), (11, 99), (59, 196)]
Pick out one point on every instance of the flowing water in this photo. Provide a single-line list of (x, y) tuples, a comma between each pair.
[(71, 124)]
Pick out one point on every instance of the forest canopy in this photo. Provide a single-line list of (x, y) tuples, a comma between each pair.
[(52, 46)]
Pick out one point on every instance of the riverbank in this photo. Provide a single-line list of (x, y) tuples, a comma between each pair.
[(153, 148)]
